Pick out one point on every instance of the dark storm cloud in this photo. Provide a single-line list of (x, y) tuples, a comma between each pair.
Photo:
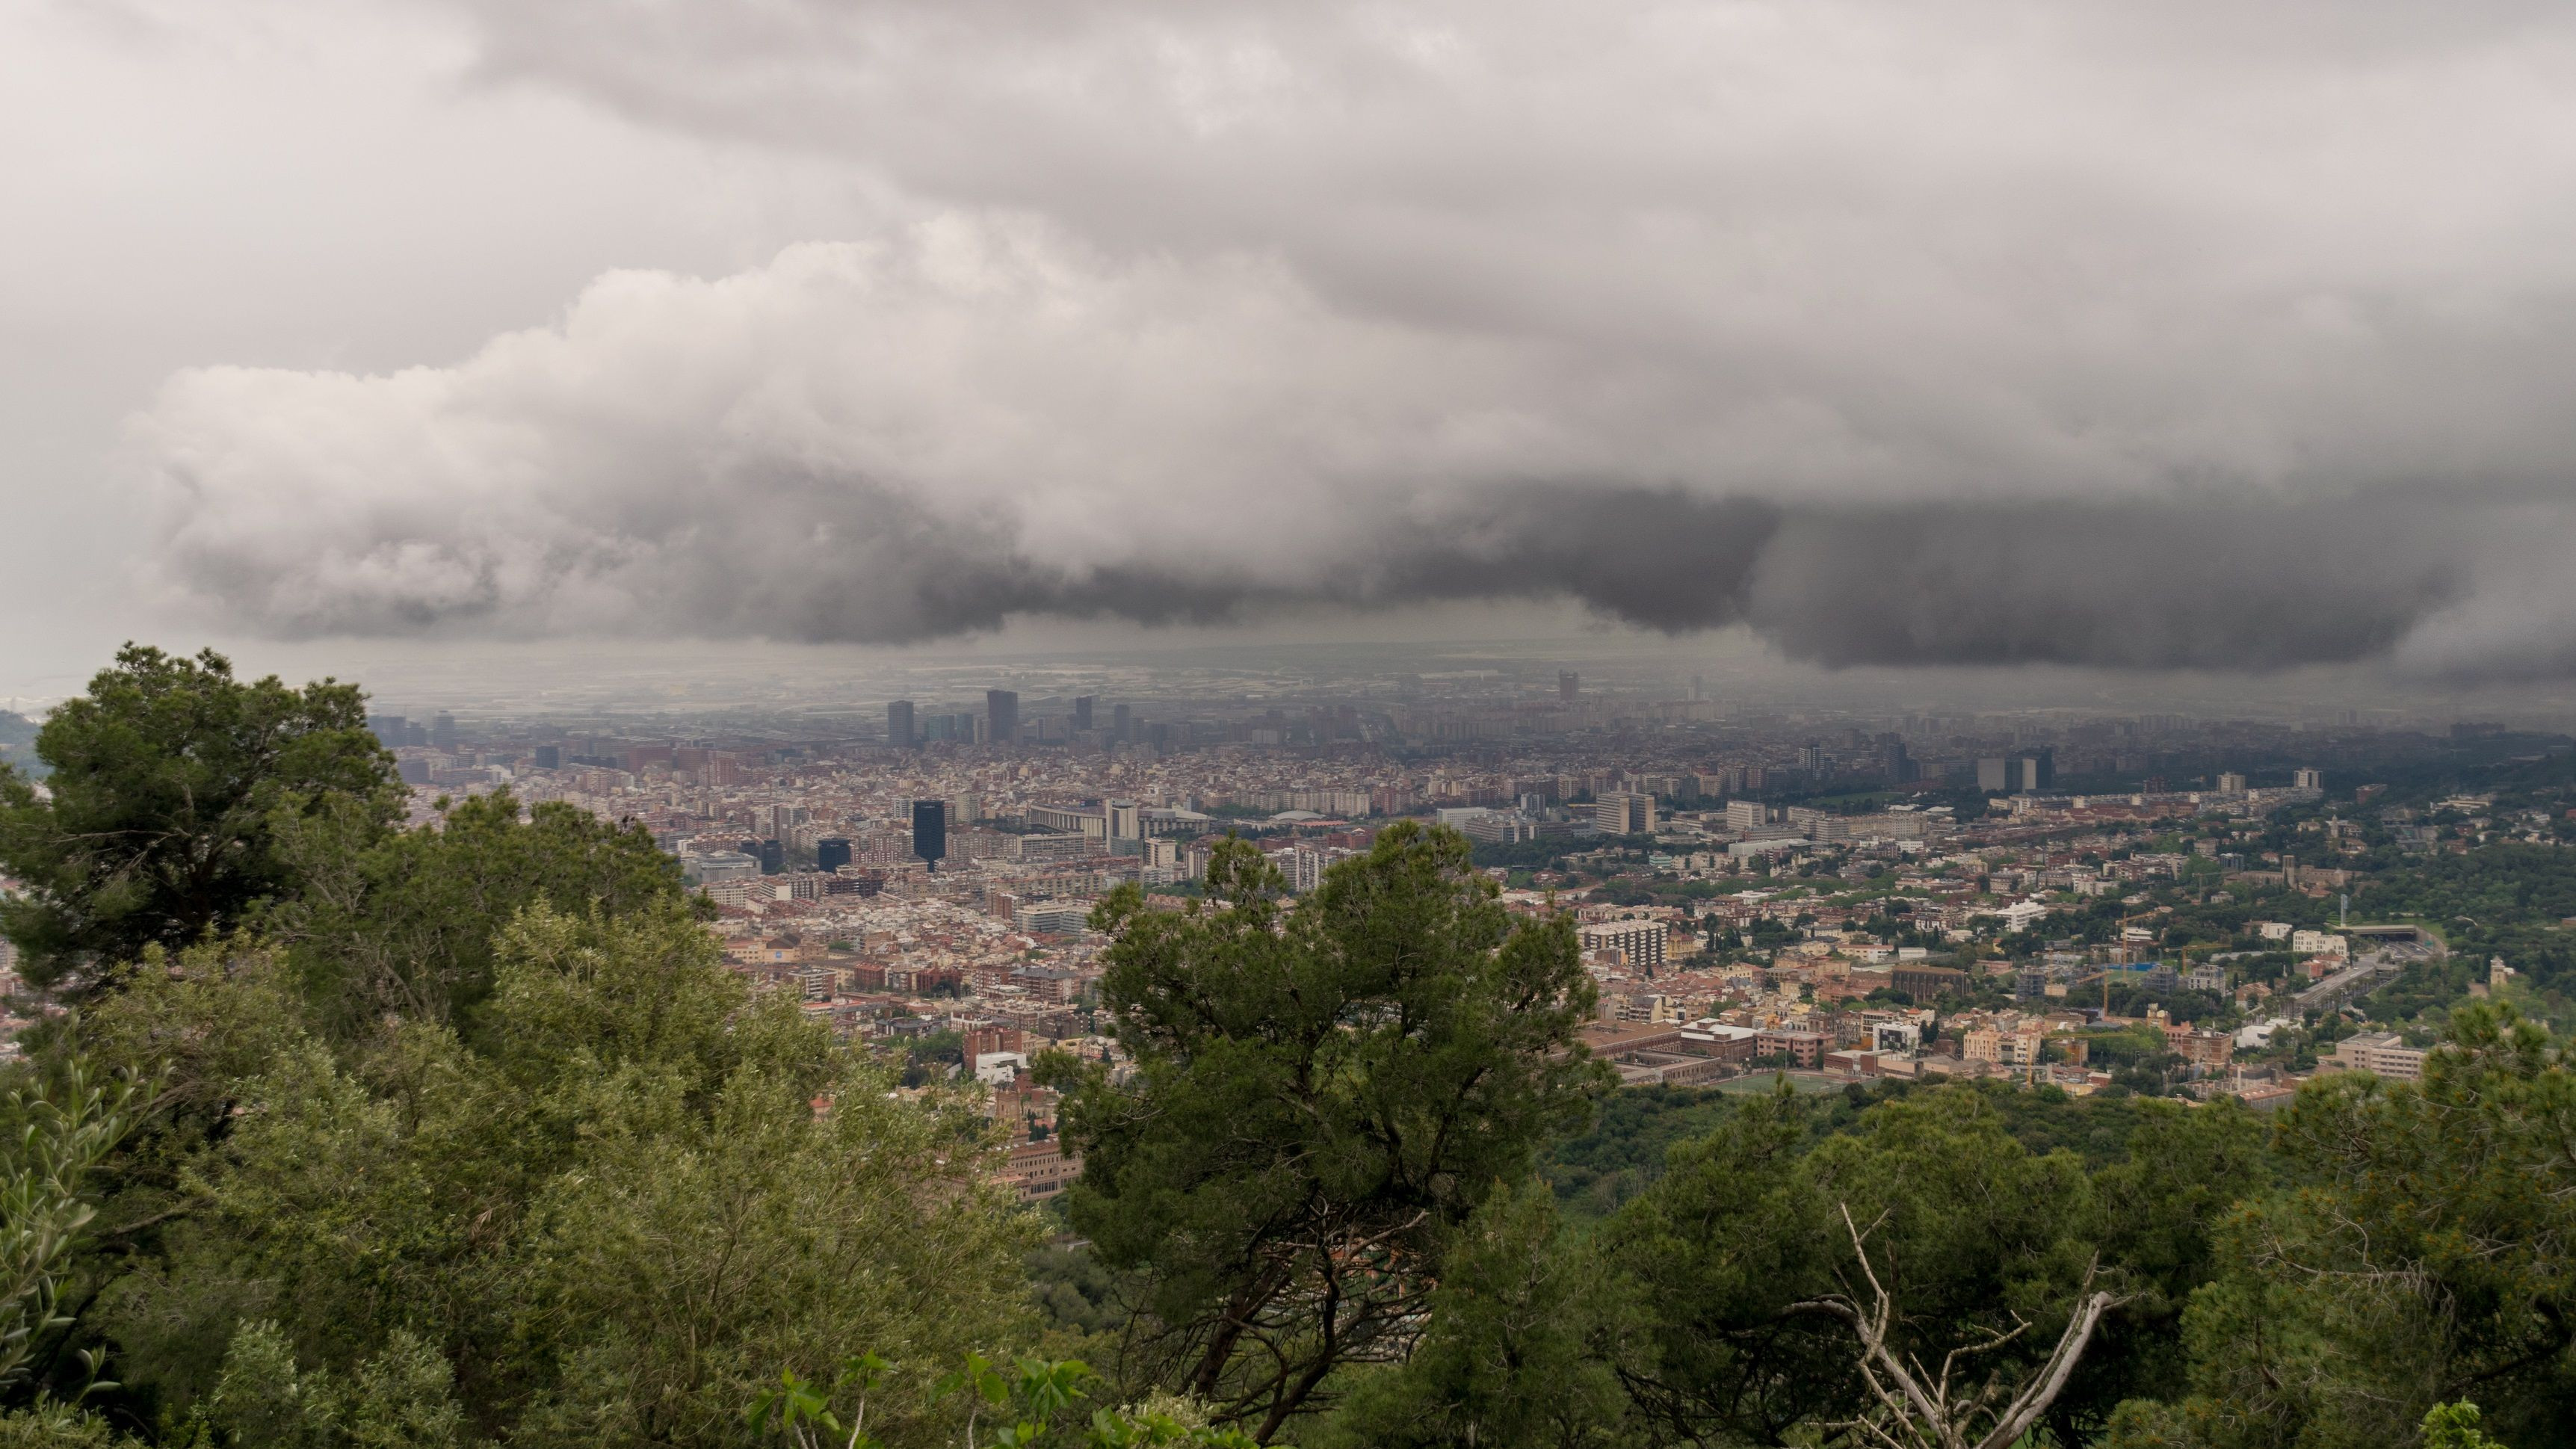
[(1657, 558), (2201, 586), (2196, 586)]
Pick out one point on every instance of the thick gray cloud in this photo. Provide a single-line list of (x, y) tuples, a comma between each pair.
[(1960, 332), (2190, 585)]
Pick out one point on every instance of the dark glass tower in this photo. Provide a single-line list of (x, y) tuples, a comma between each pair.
[(930, 830)]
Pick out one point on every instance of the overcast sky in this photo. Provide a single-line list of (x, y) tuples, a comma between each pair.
[(1916, 331)]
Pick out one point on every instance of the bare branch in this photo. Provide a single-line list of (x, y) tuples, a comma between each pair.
[(1932, 1416)]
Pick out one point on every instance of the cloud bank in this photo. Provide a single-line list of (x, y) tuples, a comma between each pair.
[(1963, 332)]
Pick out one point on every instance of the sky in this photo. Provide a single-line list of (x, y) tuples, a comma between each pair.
[(1927, 334)]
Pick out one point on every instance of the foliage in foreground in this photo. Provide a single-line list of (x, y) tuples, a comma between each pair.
[(603, 1224), (1320, 1095), (171, 783)]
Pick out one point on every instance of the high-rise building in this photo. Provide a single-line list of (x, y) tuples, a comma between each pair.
[(549, 757), (1811, 757), (831, 852), (2308, 779), (2231, 783), (899, 731), (930, 831), (389, 729), (1126, 821), (773, 857), (1568, 685), (2025, 775), (1893, 761), (1082, 712), (442, 733), (1620, 812), (1002, 713), (2039, 771), (1122, 722), (1645, 944)]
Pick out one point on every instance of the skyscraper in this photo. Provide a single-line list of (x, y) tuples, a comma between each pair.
[(2039, 771), (1082, 712), (1002, 710), (899, 732), (1621, 812), (2025, 775), (442, 733), (1568, 684), (1122, 722), (930, 831), (831, 852), (1894, 762)]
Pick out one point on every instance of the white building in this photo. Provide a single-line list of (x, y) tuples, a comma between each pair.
[(1644, 943), (1621, 813), (1896, 1038), (1050, 918), (2381, 1053)]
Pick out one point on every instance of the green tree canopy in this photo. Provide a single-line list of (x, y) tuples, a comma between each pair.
[(2424, 1255), (1510, 1359), (403, 922), (159, 823), (1319, 1094), (606, 1221)]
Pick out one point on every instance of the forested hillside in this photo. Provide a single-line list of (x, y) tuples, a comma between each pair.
[(347, 1134)]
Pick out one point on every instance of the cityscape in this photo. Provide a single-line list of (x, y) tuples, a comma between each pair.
[(2044, 898)]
